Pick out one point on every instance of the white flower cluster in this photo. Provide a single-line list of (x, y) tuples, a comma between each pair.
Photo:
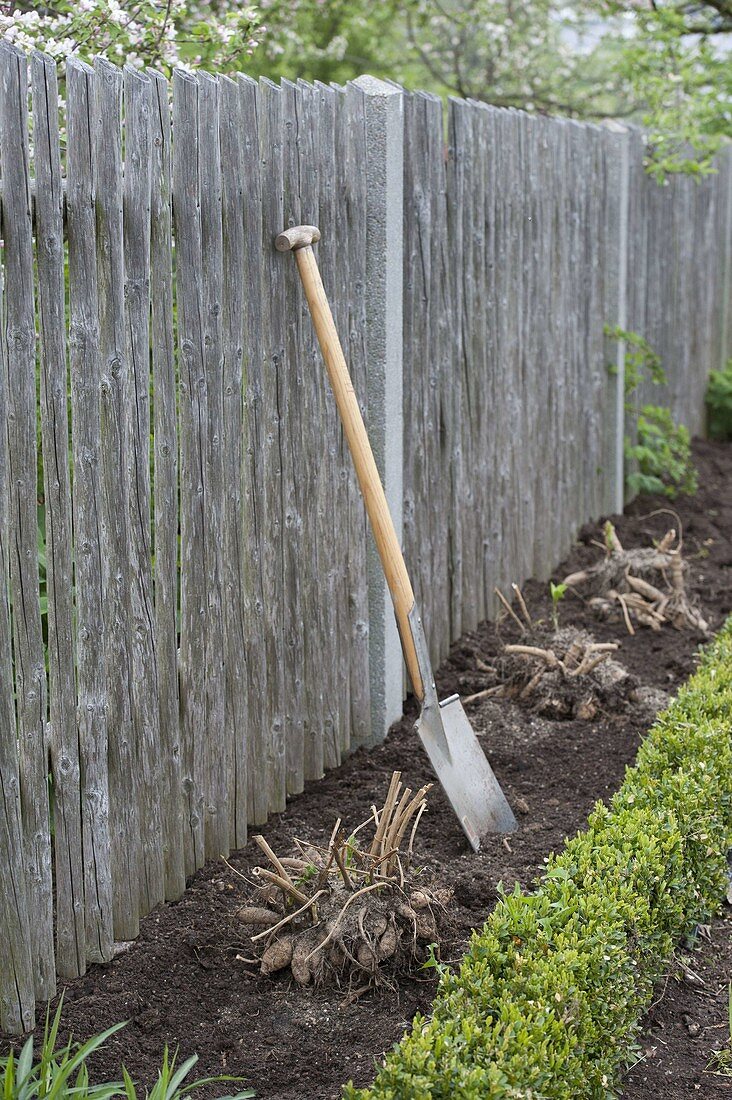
[(148, 33)]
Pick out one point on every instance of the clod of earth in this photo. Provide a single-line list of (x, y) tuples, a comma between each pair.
[(644, 586), (348, 911)]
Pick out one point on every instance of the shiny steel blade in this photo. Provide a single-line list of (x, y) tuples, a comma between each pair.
[(464, 772)]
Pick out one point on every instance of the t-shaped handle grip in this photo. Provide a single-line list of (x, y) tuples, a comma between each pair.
[(300, 236)]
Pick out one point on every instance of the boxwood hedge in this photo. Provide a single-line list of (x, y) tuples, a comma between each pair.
[(548, 998)]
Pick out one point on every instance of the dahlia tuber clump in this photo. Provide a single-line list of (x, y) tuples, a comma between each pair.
[(352, 910)]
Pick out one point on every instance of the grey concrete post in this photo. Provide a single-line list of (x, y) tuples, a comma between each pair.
[(621, 142), (384, 114)]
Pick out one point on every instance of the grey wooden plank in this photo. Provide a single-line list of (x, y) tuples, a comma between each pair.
[(485, 425), (426, 501), (89, 595), (138, 110), (30, 670), (193, 465), (352, 158), (277, 498), (332, 502), (165, 490), (68, 846), (17, 984), (457, 517), (303, 687), (318, 598), (469, 324), (342, 458), (115, 460), (441, 341), (410, 357), (257, 443), (211, 275), (234, 181)]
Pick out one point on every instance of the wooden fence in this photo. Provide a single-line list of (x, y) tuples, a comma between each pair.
[(185, 606), (520, 247)]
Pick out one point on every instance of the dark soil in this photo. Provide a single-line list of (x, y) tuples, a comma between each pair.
[(688, 1024), (187, 982)]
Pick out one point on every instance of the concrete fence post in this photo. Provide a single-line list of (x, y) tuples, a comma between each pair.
[(384, 117)]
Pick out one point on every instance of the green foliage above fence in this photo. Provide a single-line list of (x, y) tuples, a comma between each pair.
[(548, 998)]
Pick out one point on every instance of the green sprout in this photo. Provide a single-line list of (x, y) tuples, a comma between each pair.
[(557, 593)]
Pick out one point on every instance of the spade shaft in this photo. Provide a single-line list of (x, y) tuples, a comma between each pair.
[(443, 728)]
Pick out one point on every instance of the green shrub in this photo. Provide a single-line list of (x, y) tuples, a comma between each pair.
[(658, 456), (660, 460), (61, 1072), (548, 998), (719, 403)]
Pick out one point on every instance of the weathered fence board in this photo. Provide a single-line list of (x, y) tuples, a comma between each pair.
[(303, 692), (209, 277), (280, 660), (138, 109), (255, 522), (165, 447), (330, 482), (351, 229), (17, 964), (30, 669), (115, 461), (206, 546), (193, 462), (89, 592), (64, 744), (233, 176)]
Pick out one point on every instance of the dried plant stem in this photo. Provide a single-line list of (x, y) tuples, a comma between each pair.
[(510, 610), (285, 885), (522, 604), (484, 694), (273, 859), (547, 655), (385, 815), (290, 917), (338, 855)]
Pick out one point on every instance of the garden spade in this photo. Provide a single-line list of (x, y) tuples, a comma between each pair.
[(443, 727)]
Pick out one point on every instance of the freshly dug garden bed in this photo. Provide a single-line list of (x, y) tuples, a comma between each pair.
[(186, 981), (688, 1023)]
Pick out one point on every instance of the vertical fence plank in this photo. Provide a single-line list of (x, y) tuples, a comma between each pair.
[(115, 461), (426, 427), (68, 849), (211, 276), (17, 983), (315, 507), (352, 157), (296, 422), (20, 361), (343, 464), (254, 507), (138, 108), (455, 177), (280, 664), (331, 507), (165, 438), (193, 453), (234, 181), (91, 692)]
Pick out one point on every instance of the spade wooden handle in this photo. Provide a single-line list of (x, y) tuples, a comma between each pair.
[(374, 497)]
